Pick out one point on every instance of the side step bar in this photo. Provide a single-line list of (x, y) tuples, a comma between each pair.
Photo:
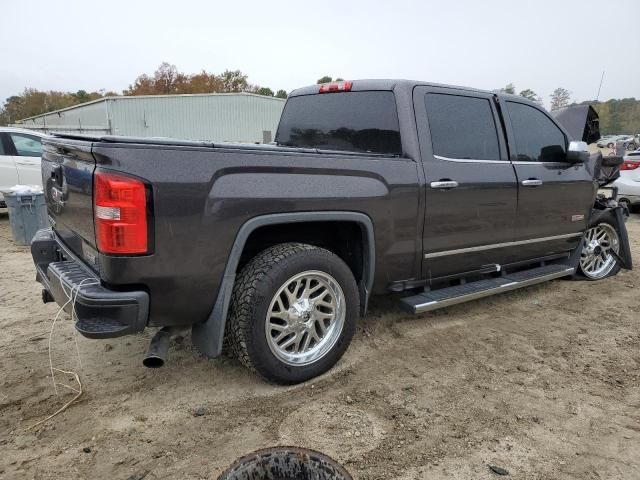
[(445, 297)]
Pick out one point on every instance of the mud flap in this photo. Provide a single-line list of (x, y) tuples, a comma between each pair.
[(624, 256)]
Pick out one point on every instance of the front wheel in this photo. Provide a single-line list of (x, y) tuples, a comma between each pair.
[(293, 312), (597, 260)]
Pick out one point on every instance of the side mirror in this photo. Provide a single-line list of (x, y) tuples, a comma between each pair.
[(578, 152)]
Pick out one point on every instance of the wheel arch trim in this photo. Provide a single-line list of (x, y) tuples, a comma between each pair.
[(208, 336)]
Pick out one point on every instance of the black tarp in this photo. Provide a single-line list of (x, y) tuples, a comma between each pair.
[(581, 121)]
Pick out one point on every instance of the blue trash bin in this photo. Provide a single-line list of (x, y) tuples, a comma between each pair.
[(27, 215)]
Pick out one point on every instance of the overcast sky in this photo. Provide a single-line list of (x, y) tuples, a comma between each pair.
[(72, 45)]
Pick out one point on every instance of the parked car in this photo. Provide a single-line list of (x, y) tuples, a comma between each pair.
[(607, 141), (631, 143), (20, 151), (629, 182), (629, 188), (631, 162), (447, 194), (628, 142)]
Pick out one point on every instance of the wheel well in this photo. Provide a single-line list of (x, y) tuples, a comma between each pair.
[(343, 238)]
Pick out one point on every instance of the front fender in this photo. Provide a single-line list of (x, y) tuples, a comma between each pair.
[(617, 214)]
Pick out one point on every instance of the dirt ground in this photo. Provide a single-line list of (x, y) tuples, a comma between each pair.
[(544, 382)]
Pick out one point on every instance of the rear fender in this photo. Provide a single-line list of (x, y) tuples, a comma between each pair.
[(208, 336)]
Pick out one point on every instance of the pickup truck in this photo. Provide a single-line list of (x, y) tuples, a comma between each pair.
[(441, 194)]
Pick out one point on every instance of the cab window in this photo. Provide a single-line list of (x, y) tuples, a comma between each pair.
[(26, 145), (462, 127), (364, 122), (537, 138)]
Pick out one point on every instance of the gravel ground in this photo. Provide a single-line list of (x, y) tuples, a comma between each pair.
[(543, 382)]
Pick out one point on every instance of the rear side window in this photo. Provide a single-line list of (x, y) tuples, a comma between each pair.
[(26, 145), (365, 122), (462, 127), (537, 138)]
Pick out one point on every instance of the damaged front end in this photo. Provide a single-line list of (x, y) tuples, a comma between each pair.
[(582, 123)]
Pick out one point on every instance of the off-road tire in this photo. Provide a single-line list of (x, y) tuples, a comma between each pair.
[(253, 292), (608, 219)]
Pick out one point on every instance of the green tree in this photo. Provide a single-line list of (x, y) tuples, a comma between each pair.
[(281, 94), (530, 95), (561, 97), (325, 79), (509, 88), (234, 81), (266, 91)]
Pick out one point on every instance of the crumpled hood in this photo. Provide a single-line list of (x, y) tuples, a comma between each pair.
[(581, 121)]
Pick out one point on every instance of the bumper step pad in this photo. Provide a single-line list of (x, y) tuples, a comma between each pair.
[(101, 328), (444, 297), (99, 311)]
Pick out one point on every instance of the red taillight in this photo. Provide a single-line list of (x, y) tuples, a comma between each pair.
[(630, 165), (335, 87), (120, 211)]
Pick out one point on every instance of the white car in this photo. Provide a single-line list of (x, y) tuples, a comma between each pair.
[(20, 151), (629, 182)]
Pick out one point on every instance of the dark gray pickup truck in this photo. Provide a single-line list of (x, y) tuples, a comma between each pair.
[(446, 194)]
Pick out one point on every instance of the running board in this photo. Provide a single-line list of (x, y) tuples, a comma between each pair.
[(445, 297)]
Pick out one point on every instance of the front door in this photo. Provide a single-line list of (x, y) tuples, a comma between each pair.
[(28, 149), (8, 170), (555, 197), (471, 189)]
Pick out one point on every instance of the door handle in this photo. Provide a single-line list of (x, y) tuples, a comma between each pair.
[(444, 184), (532, 182)]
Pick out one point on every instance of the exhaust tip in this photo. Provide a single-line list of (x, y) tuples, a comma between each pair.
[(153, 362), (158, 348)]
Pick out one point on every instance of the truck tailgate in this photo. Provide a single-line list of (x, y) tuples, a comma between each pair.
[(67, 178)]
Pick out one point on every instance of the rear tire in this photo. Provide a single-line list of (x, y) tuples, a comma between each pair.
[(596, 261), (293, 312)]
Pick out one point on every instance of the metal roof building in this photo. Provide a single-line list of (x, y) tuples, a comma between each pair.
[(222, 117)]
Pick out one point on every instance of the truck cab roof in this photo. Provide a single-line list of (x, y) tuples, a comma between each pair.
[(391, 85)]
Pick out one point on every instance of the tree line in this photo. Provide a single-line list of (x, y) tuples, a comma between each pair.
[(616, 116), (166, 80), (561, 97)]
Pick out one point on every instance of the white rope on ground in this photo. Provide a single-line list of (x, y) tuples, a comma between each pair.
[(66, 405), (71, 298)]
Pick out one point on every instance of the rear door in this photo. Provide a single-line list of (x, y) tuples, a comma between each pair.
[(28, 149), (8, 171), (471, 190), (554, 197)]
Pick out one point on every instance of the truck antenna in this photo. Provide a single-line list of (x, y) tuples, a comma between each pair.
[(600, 87)]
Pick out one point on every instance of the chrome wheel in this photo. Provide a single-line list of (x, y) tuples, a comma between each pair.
[(596, 260), (305, 318)]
